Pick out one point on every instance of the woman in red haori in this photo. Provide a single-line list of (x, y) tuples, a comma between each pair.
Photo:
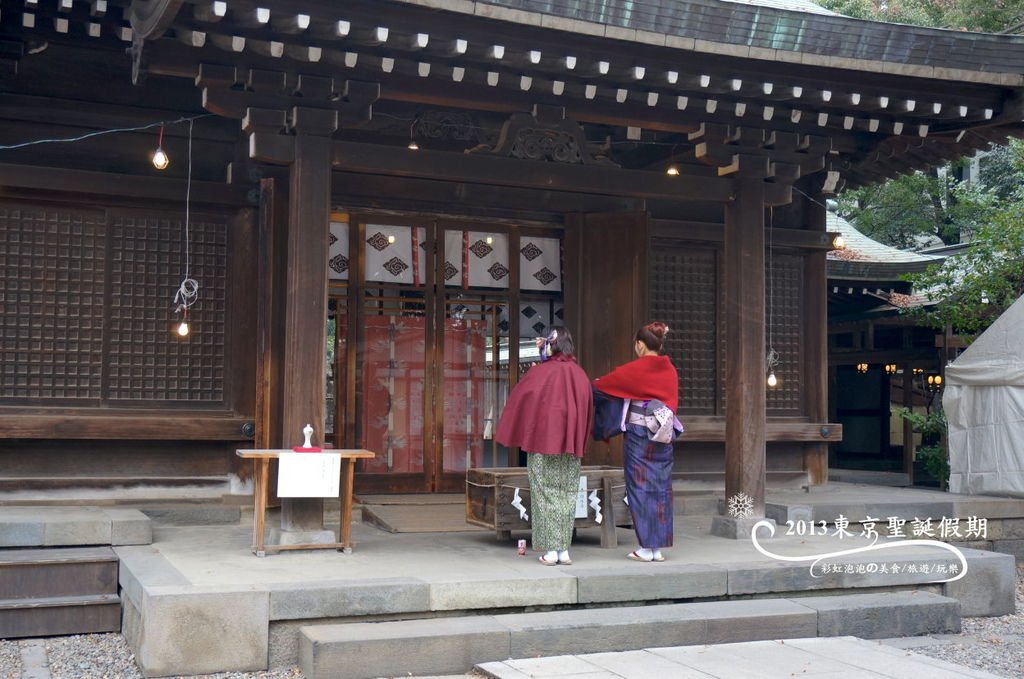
[(651, 384), (549, 415)]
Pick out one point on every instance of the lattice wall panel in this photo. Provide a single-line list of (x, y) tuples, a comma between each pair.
[(147, 362), (786, 333), (51, 299), (683, 294)]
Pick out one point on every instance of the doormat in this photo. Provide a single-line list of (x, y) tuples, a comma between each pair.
[(413, 499), (424, 518)]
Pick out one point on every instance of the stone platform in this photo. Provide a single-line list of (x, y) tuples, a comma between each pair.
[(197, 601)]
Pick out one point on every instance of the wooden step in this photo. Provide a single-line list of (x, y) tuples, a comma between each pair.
[(53, 616), (454, 645), (38, 573)]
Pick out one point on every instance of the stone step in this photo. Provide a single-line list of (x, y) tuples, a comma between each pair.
[(35, 526), (454, 645), (109, 490), (47, 573), (192, 514), (53, 616)]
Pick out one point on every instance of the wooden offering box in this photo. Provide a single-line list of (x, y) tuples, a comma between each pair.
[(490, 493)]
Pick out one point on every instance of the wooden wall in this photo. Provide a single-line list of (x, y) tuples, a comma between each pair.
[(93, 380)]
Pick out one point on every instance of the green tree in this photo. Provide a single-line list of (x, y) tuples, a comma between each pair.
[(987, 16), (976, 287), (902, 211)]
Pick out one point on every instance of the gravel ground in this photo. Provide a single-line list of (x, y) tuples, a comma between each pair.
[(10, 660), (995, 645)]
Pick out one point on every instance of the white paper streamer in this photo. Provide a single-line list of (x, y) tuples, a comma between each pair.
[(595, 502), (517, 502)]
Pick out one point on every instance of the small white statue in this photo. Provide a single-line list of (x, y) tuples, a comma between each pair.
[(308, 432)]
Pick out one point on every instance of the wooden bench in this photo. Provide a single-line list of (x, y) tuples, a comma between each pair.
[(261, 463)]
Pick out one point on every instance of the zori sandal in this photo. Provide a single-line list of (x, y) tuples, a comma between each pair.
[(546, 562), (636, 557)]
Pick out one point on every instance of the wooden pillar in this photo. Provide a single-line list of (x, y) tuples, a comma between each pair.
[(305, 332), (745, 343), (816, 342), (606, 298), (908, 428)]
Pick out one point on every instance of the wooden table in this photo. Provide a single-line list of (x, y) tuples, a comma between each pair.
[(261, 463)]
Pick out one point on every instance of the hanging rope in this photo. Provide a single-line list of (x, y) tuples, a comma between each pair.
[(772, 357), (188, 290)]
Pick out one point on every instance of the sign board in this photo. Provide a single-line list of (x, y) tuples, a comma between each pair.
[(581, 499), (309, 474)]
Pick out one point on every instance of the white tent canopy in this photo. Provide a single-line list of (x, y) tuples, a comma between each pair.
[(984, 403)]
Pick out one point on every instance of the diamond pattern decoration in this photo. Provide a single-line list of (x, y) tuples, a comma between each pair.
[(450, 271), (339, 263), (538, 327), (504, 326), (545, 276), (531, 251), (529, 311), (498, 271), (395, 266), (378, 241), (334, 239), (481, 249)]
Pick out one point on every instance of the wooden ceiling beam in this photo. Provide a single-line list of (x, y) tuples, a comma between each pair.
[(439, 196), (399, 161)]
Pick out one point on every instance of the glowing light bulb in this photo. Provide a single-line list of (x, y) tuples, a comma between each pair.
[(772, 380), (413, 146), (838, 243), (391, 239), (672, 171), (489, 240), (183, 329), (160, 159)]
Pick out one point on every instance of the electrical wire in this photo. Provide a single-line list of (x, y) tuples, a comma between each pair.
[(149, 126)]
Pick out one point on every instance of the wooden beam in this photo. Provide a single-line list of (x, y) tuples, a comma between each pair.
[(424, 195), (678, 229), (162, 425), (744, 343), (113, 184), (482, 169), (713, 430)]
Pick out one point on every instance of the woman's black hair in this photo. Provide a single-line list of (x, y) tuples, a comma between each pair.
[(652, 335), (560, 341)]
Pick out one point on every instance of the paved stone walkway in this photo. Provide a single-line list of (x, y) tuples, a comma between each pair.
[(836, 658)]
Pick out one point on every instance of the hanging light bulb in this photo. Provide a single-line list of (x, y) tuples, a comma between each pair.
[(772, 380), (890, 368), (182, 328), (160, 158), (413, 146), (672, 171), (862, 368), (838, 243)]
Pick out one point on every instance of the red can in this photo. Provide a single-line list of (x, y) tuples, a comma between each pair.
[(521, 551)]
